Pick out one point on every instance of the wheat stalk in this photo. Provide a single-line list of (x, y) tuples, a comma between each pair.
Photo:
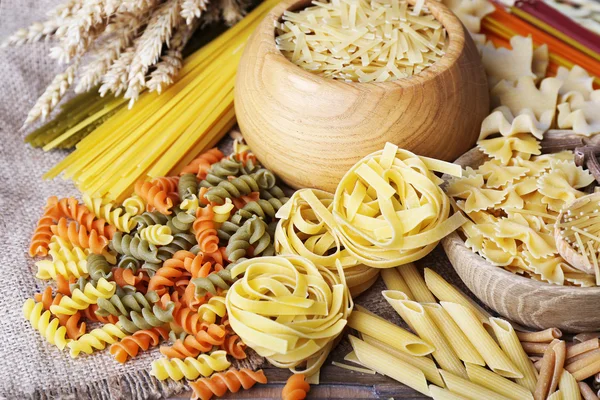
[(125, 27), (192, 9), (171, 62), (232, 11), (149, 46), (137, 5), (34, 33), (85, 26), (66, 9), (53, 94), (115, 79)]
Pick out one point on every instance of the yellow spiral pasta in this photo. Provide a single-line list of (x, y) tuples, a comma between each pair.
[(288, 309), (115, 216), (190, 368), (389, 208), (48, 269), (41, 320), (134, 205), (222, 212), (61, 249), (210, 310), (157, 234), (190, 205), (307, 228), (97, 339), (81, 300)]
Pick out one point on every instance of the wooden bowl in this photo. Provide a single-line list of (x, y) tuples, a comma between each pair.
[(520, 299), (310, 129)]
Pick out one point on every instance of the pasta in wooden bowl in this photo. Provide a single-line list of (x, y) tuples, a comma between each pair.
[(541, 300)]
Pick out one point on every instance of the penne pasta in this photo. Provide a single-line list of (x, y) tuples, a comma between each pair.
[(586, 391), (509, 342), (583, 360), (438, 393), (582, 337), (534, 348), (559, 349), (416, 283), (420, 322), (486, 378), (582, 348), (585, 372), (394, 281), (542, 388), (460, 343), (472, 327), (545, 336), (468, 389), (444, 291), (389, 333), (353, 368), (425, 364), (388, 365), (556, 396), (568, 386), (398, 296)]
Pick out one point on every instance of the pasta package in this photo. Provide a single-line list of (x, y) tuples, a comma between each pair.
[(390, 210), (288, 309), (307, 228)]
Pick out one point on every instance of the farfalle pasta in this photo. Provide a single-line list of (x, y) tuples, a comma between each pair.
[(389, 208), (579, 114), (294, 315), (508, 64)]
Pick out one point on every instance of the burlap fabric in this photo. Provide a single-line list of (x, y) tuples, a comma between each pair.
[(30, 367)]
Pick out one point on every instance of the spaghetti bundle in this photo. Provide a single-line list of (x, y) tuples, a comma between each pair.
[(288, 310), (162, 133)]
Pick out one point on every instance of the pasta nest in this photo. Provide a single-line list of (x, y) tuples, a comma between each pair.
[(288, 309), (307, 228), (390, 210)]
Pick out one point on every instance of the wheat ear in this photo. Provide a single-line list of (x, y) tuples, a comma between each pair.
[(53, 94), (232, 11), (125, 27), (171, 62), (34, 33), (192, 9), (149, 46), (66, 9), (137, 5), (115, 79)]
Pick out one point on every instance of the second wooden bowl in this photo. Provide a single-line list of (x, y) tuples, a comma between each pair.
[(523, 300), (310, 129)]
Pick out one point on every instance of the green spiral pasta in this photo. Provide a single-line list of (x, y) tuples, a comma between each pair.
[(265, 178), (262, 208), (147, 318), (134, 246), (274, 192), (253, 232), (220, 171), (181, 241), (123, 305), (187, 186), (129, 262), (174, 336), (209, 284), (237, 187), (147, 218), (98, 267), (79, 284), (181, 222), (151, 268)]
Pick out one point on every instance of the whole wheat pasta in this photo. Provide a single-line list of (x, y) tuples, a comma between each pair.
[(586, 366), (559, 349), (544, 336), (581, 348), (582, 337), (534, 348), (586, 392), (591, 369), (542, 389)]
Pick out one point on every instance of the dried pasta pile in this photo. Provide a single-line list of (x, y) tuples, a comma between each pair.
[(357, 40), (157, 268), (458, 351)]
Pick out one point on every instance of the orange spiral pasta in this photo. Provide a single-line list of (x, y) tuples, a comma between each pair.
[(234, 346), (204, 229), (201, 164), (125, 277), (129, 346), (41, 236), (154, 196), (220, 383), (62, 285), (240, 202), (79, 236), (171, 271), (295, 388), (245, 156), (70, 208), (90, 314), (193, 345), (204, 263), (71, 322), (184, 317), (166, 183)]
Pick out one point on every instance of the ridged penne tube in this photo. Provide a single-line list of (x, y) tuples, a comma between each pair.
[(389, 333), (425, 364), (509, 342), (581, 348), (414, 280), (545, 336), (568, 386), (586, 391), (395, 295), (438, 393), (428, 331), (444, 291), (555, 396), (388, 365), (486, 378), (394, 281), (560, 349), (494, 357), (468, 389), (461, 345)]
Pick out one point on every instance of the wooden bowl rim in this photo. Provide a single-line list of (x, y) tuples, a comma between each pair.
[(481, 262), (454, 29)]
